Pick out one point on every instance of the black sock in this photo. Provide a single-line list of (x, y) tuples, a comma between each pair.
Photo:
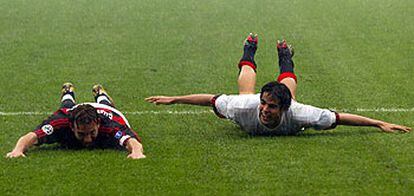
[(285, 61), (249, 52)]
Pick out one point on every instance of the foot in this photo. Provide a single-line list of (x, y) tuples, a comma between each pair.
[(249, 50), (68, 88), (284, 48), (98, 90), (251, 41), (285, 53)]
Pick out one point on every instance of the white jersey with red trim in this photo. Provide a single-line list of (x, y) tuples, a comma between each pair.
[(244, 111)]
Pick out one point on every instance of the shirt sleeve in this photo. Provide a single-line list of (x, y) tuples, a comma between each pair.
[(313, 117), (226, 106), (48, 131), (124, 134)]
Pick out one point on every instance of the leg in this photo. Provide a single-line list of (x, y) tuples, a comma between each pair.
[(287, 75), (67, 98), (247, 66), (291, 84), (101, 96), (247, 80)]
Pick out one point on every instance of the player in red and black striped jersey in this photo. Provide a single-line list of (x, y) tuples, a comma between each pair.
[(87, 125)]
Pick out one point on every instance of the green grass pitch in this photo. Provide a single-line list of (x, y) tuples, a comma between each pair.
[(349, 54)]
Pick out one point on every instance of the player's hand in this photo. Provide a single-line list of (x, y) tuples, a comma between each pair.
[(15, 154), (136, 155), (160, 100), (390, 128)]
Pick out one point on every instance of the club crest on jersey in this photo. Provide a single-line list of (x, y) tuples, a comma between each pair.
[(105, 113), (118, 135), (48, 129)]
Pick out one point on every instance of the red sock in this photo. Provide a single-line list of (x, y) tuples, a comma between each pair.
[(286, 75)]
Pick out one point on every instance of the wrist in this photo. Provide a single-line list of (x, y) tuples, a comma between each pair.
[(17, 151), (379, 124), (19, 148), (134, 146), (175, 100), (137, 150)]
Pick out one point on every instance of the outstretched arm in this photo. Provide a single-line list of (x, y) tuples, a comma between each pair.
[(135, 149), (195, 99), (22, 145), (356, 120)]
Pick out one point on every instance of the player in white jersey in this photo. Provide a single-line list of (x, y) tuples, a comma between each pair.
[(245, 111), (274, 111)]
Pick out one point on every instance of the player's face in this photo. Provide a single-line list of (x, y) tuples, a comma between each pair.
[(86, 134), (270, 111)]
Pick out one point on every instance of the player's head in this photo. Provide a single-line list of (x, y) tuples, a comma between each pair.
[(275, 98), (85, 123)]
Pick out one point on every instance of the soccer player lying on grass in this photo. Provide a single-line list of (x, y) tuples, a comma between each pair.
[(274, 111), (88, 125)]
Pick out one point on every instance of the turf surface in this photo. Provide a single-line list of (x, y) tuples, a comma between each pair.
[(349, 54)]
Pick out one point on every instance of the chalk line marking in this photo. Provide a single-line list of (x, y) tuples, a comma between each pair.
[(197, 112), (149, 112), (380, 110)]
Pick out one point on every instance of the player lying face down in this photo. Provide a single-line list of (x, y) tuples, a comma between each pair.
[(89, 125), (274, 111)]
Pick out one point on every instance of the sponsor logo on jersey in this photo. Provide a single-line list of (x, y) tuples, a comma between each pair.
[(105, 113), (118, 135), (48, 129)]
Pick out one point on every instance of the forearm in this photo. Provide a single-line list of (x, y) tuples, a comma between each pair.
[(25, 142), (356, 120), (195, 99)]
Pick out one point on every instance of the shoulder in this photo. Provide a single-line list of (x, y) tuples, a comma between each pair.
[(58, 119), (307, 114), (233, 106), (297, 108), (239, 101), (299, 112)]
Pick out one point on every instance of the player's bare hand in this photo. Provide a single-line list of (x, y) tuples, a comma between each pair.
[(160, 100), (15, 154), (136, 156), (390, 128)]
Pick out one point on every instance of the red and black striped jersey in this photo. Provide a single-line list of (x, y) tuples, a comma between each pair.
[(114, 129)]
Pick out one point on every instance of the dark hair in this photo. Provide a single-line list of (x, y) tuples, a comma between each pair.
[(83, 114), (278, 91)]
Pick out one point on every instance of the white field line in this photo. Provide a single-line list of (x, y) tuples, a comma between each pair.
[(197, 112), (380, 110), (149, 112)]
